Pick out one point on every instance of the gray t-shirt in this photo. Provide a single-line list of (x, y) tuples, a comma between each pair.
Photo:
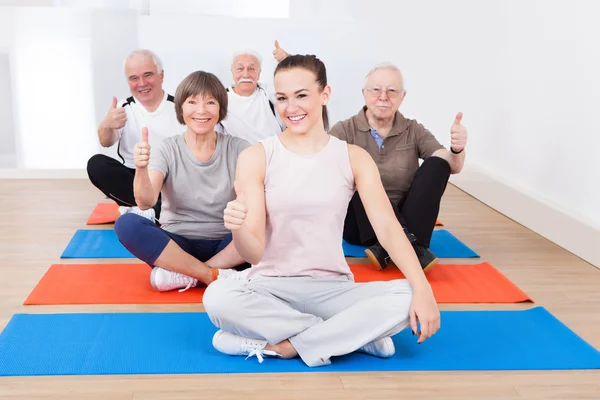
[(195, 193)]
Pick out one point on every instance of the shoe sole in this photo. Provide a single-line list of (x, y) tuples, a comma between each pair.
[(373, 259), (430, 266)]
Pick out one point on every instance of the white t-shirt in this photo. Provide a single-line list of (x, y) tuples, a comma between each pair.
[(161, 124), (251, 117)]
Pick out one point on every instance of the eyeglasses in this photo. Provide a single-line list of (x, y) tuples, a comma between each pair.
[(391, 93)]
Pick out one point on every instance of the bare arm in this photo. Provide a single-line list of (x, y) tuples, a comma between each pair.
[(391, 236), (456, 161), (108, 130), (226, 258), (107, 136), (279, 54), (246, 216), (458, 142), (146, 187), (379, 210), (146, 184)]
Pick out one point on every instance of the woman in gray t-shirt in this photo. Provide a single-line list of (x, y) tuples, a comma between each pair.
[(195, 173)]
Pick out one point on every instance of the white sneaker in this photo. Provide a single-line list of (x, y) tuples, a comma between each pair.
[(234, 274), (379, 348), (235, 345), (148, 214), (164, 280)]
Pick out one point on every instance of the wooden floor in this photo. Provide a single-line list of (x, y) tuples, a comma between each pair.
[(39, 217)]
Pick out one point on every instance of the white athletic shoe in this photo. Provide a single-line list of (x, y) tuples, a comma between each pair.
[(379, 348), (235, 345), (164, 280), (231, 273), (148, 214)]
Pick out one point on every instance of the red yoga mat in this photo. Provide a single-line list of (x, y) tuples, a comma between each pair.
[(130, 284), (103, 213)]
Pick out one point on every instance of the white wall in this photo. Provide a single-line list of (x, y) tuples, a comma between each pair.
[(172, 38), (52, 86), (66, 64), (114, 35), (7, 132), (523, 72), (543, 137), (7, 128), (349, 43)]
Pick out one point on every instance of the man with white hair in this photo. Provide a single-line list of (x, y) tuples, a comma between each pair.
[(396, 143), (148, 106), (251, 111)]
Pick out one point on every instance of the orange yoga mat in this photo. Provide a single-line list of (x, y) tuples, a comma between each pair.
[(452, 283), (130, 284), (104, 284), (104, 213)]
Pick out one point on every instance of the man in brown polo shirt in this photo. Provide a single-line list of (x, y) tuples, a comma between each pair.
[(396, 144)]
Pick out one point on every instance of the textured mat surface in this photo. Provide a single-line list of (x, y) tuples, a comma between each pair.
[(100, 243), (443, 245), (103, 213), (180, 343), (130, 284)]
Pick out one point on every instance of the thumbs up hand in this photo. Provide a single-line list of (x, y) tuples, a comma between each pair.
[(279, 53), (235, 213), (115, 117), (141, 151), (458, 134)]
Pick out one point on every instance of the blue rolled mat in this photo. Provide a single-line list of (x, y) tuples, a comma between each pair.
[(443, 245), (100, 243), (180, 343)]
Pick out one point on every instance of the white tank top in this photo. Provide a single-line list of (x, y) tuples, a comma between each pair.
[(307, 199)]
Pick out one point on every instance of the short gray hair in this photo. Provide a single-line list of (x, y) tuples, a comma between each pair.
[(146, 55), (385, 65), (247, 52)]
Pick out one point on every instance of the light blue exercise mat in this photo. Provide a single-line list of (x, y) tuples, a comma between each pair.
[(180, 343), (95, 243), (443, 245)]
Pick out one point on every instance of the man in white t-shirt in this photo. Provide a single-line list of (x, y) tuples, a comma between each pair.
[(251, 111), (149, 106)]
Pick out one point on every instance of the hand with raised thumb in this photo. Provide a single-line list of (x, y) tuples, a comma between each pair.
[(141, 151), (115, 118), (279, 53), (235, 213), (458, 134)]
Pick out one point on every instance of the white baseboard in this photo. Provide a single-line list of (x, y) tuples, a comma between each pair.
[(559, 226), (18, 173)]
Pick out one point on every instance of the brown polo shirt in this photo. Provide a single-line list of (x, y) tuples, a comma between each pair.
[(398, 159)]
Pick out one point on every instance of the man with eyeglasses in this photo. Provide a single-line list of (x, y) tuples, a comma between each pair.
[(396, 144)]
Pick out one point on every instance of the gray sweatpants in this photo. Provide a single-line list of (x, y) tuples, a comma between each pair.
[(320, 317)]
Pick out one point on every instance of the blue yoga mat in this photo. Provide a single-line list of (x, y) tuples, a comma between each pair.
[(103, 243), (180, 343), (100, 243), (443, 245)]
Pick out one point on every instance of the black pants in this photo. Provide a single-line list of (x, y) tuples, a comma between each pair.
[(417, 212), (115, 180)]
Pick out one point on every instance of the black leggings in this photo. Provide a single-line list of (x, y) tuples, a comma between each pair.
[(417, 213), (115, 180)]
